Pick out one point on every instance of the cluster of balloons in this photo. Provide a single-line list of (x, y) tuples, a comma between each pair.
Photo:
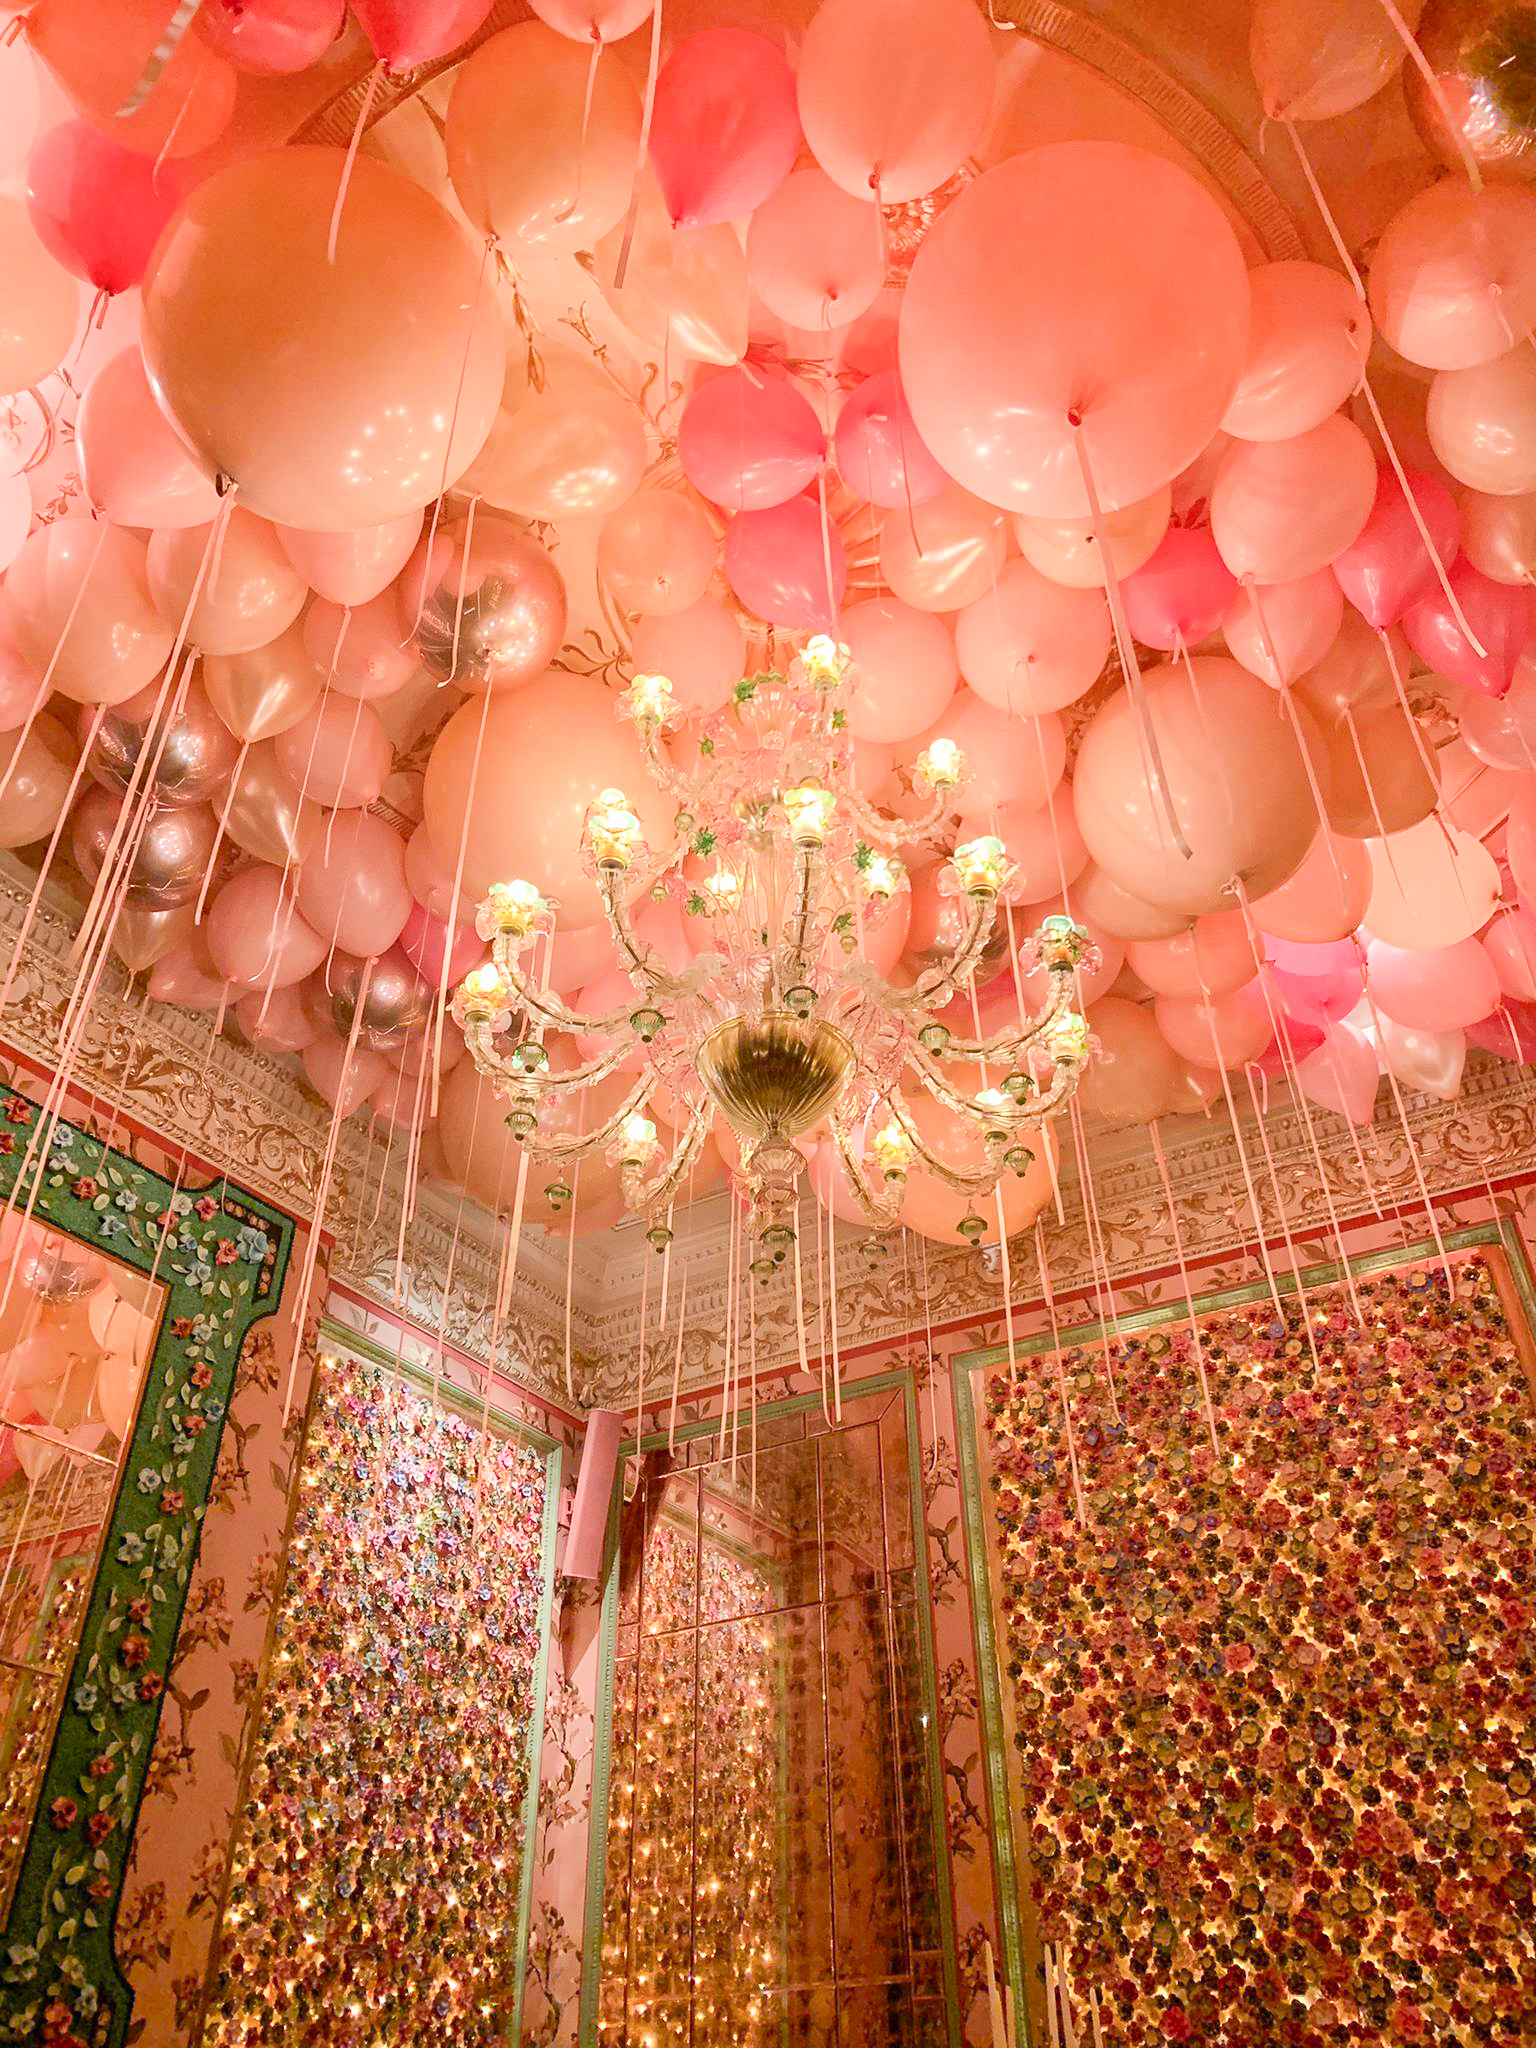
[(336, 462)]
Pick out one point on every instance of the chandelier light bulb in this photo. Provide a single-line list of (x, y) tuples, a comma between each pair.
[(823, 662), (980, 866), (810, 810), (1067, 1039), (613, 832), (514, 907), (940, 766), (651, 702), (881, 875), (893, 1151)]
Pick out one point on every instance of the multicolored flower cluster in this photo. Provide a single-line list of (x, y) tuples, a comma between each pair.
[(375, 1884), (1276, 1703)]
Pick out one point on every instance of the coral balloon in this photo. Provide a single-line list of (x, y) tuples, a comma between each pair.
[(407, 33), (574, 450), (1281, 510), (1224, 1031), (1031, 645), (338, 752), (271, 38), (352, 889), (39, 303), (701, 651), (491, 615), (430, 879), (1282, 630), (256, 935), (1498, 536), (187, 977), (725, 128), (1434, 989), (906, 668), (98, 209), (1132, 1078), (1387, 567), (132, 466), (1182, 593), (1313, 59), (1498, 613), (879, 451), (1045, 846), (1101, 903), (1215, 956), (426, 939), (945, 553), (1009, 760), (234, 594), (21, 684), (83, 612), (656, 552), (748, 441), (1080, 282), (787, 565), (365, 650), (1482, 423), (1324, 899), (1308, 338), (1374, 772), (352, 568), (264, 690), (279, 1023), (279, 365), (814, 254), (1509, 940), (1071, 551), (1356, 673), (1432, 885), (38, 771), (344, 1076), (1453, 277), (100, 49)]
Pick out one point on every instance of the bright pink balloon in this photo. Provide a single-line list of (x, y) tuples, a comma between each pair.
[(701, 652), (364, 652), (405, 33), (271, 38), (906, 668), (1509, 940), (352, 889), (1510, 1032), (132, 466), (1282, 509), (345, 1079), (1316, 983), (96, 207), (749, 441), (424, 940), (815, 254), (1280, 630), (338, 753), (1081, 281), (1439, 990), (725, 129), (880, 453), (788, 566), (1181, 593), (1342, 1074), (1228, 1031), (256, 935), (1031, 645), (352, 568), (1387, 567), (1498, 613)]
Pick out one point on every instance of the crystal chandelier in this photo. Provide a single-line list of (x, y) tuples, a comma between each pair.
[(784, 1025)]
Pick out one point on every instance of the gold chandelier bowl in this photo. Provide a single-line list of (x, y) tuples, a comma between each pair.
[(774, 1076)]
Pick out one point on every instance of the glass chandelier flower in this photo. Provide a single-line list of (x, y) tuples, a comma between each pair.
[(784, 1025)]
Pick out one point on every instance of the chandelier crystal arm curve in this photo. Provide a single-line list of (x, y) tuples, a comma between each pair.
[(540, 1004), (644, 1197), (963, 1183), (479, 1036), (880, 1205), (1006, 1045), (898, 831), (937, 985), (605, 1134), (795, 960)]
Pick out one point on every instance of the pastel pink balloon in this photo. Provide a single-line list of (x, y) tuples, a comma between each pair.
[(700, 650), (1181, 593), (234, 597), (748, 440), (944, 553), (351, 568), (1282, 509), (426, 938), (1104, 904), (352, 889), (906, 668), (725, 129), (1482, 423), (814, 253), (880, 453), (787, 565), (1387, 567), (256, 935), (83, 613), (894, 93), (1509, 940), (15, 517), (1437, 990), (1280, 630), (1010, 760), (188, 978), (281, 1023), (1324, 899), (1498, 613), (338, 753), (1215, 956), (1071, 551), (1316, 982), (1080, 281), (21, 684), (1453, 276), (593, 21), (1308, 338), (581, 955), (1044, 844), (132, 466), (1031, 645), (366, 651), (430, 879), (656, 552), (344, 1078), (1228, 1031), (1342, 1074), (96, 207), (271, 38)]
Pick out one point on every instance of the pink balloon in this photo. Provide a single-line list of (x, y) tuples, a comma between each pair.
[(1181, 593), (725, 129), (271, 38), (894, 93), (1316, 983), (1228, 1031), (1509, 940), (353, 889), (1010, 761), (906, 668), (1045, 846), (1106, 905), (1215, 956), (1081, 281), (406, 33), (1430, 1061), (343, 1079), (580, 957), (188, 978), (21, 684), (424, 940), (1280, 630), (701, 651), (749, 441), (944, 553), (1134, 1080), (1498, 613), (256, 935), (1282, 509), (1500, 730), (656, 552), (1438, 990), (1453, 277), (879, 451), (338, 753), (96, 207), (351, 568), (1031, 645), (279, 1024), (15, 517), (1325, 898), (814, 253), (1387, 567), (788, 566), (1308, 338), (132, 466), (364, 652), (593, 21), (430, 879), (235, 599), (1342, 1074)]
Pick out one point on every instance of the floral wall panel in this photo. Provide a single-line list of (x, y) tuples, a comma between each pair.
[(1271, 1697), (375, 1886)]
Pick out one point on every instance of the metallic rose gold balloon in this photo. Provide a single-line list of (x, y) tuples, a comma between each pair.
[(1483, 54), (172, 856), (267, 818), (193, 764), (507, 601), (141, 937), (398, 1000)]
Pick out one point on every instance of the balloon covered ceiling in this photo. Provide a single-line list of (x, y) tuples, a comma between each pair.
[(394, 382)]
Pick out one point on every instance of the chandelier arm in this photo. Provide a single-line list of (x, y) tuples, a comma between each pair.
[(577, 1148), (797, 948), (1063, 1086), (644, 1197), (540, 1004), (1018, 1037), (962, 1183), (882, 1213), (635, 956), (488, 1061), (668, 779), (940, 985), (899, 831)]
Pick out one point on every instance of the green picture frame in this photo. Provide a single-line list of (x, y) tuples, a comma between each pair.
[(222, 1255)]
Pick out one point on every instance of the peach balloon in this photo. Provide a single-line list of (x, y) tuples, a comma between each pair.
[(1080, 282), (1280, 630), (547, 749), (1453, 277), (935, 1211), (83, 610), (1324, 899), (344, 1078), (533, 162), (1376, 776), (351, 568), (1100, 902), (1030, 645), (1281, 510), (38, 771), (133, 468), (352, 889), (1009, 760), (575, 450), (1431, 886), (22, 690), (100, 49), (1224, 1031), (1498, 535), (944, 553), (279, 1023), (235, 593), (265, 690), (187, 977), (1313, 59), (1045, 846), (686, 290), (1135, 1073), (265, 815), (1071, 551), (1482, 423), (363, 650), (141, 937), (255, 934), (656, 552), (1308, 338), (280, 367), (1432, 989), (338, 752), (1215, 956), (814, 254), (905, 661), (1235, 777), (1355, 674), (701, 651), (19, 102)]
